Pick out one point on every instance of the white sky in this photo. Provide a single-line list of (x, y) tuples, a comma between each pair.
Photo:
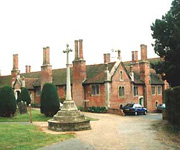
[(26, 26)]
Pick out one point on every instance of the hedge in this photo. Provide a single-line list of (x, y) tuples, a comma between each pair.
[(97, 109), (7, 102), (49, 101), (172, 100)]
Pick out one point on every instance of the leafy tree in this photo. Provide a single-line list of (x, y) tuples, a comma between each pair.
[(49, 100), (24, 96), (7, 102), (166, 32)]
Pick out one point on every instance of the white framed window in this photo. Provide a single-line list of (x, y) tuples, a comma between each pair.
[(121, 91), (95, 90), (159, 90), (153, 90), (121, 75), (135, 90)]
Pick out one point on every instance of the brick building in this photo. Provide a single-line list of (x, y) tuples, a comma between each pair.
[(110, 84)]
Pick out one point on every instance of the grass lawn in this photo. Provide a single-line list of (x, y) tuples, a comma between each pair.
[(16, 136), (36, 116)]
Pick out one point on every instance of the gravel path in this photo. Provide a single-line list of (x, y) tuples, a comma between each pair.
[(114, 132)]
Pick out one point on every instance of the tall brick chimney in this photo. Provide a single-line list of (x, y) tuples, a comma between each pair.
[(28, 69), (15, 62), (107, 58), (79, 74), (46, 68), (76, 49), (15, 71), (144, 66), (143, 52), (134, 56), (81, 49)]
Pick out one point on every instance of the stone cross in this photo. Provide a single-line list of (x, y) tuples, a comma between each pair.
[(68, 80)]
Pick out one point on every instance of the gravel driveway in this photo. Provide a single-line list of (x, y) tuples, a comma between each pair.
[(114, 132)]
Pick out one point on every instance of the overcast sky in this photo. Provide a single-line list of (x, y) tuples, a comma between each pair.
[(26, 26)]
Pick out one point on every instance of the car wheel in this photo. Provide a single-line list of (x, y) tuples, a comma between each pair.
[(135, 113), (145, 112)]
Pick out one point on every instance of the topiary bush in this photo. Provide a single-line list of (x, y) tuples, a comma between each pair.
[(97, 109), (49, 101), (7, 102), (24, 96)]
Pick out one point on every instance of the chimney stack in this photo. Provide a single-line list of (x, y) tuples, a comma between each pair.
[(143, 52), (76, 49), (81, 49), (136, 56), (119, 54), (46, 60), (133, 55), (28, 69), (15, 62), (107, 58)]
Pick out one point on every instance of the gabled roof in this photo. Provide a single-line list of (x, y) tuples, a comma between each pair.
[(95, 74)]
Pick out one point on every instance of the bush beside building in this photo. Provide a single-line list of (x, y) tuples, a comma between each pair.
[(172, 100)]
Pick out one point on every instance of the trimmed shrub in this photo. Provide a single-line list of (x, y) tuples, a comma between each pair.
[(7, 102), (97, 109), (172, 100), (24, 96), (49, 101)]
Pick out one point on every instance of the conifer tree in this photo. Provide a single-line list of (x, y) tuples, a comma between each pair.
[(24, 96), (7, 102), (49, 101)]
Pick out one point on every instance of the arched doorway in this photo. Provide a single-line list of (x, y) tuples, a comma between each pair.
[(141, 101)]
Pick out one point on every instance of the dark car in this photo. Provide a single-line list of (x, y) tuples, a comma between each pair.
[(132, 108), (161, 107)]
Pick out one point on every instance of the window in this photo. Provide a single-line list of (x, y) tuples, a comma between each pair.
[(121, 75), (153, 90), (135, 90), (159, 90), (95, 89), (121, 91)]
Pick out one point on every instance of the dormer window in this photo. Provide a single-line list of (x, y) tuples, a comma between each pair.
[(121, 75)]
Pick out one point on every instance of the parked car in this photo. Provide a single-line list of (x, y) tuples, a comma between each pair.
[(132, 108), (161, 107)]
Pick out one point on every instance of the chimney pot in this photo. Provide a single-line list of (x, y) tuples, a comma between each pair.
[(76, 49), (81, 49), (15, 62), (143, 52), (46, 60), (29, 68), (107, 58)]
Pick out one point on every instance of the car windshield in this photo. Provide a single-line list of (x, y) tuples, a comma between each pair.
[(129, 105)]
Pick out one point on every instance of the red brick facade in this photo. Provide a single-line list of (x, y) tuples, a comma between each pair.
[(110, 84)]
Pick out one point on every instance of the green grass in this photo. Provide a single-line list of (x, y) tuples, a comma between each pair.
[(36, 116), (26, 137)]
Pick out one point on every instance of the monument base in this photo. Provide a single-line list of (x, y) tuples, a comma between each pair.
[(69, 119)]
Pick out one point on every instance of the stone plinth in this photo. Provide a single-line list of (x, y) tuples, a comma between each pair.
[(69, 118)]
